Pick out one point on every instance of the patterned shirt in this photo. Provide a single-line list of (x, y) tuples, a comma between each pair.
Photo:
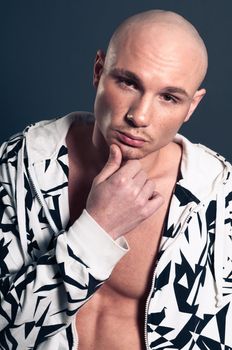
[(49, 270)]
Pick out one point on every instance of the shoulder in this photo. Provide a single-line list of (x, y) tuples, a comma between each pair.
[(202, 169), (36, 143), (43, 139), (197, 156)]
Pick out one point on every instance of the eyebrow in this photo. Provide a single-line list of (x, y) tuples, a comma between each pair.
[(128, 74), (136, 79), (176, 90)]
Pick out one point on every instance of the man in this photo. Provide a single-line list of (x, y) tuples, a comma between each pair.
[(76, 194)]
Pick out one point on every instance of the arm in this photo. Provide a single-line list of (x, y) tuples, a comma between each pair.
[(41, 297), (49, 292)]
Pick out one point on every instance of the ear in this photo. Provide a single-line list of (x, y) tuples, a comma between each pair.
[(199, 94), (98, 67)]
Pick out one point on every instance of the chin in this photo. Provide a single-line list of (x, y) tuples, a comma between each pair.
[(132, 153)]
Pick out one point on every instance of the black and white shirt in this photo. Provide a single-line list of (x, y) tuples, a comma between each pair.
[(48, 269)]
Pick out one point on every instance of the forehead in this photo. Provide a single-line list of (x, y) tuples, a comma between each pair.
[(158, 54)]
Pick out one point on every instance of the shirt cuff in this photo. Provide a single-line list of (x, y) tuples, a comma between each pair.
[(95, 246)]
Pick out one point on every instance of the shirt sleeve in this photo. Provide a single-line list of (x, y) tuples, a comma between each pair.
[(40, 298)]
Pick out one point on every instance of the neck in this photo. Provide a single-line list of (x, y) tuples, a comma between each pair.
[(163, 162)]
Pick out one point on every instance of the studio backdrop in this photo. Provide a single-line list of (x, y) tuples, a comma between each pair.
[(48, 50)]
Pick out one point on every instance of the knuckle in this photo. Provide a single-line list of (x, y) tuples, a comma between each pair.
[(159, 200), (141, 204), (134, 192), (119, 181), (95, 180), (123, 180), (144, 212), (156, 203)]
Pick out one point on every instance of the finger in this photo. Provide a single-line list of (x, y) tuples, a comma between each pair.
[(154, 203), (147, 191), (130, 169), (139, 180), (112, 165)]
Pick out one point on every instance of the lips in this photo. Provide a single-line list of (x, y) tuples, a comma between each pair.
[(132, 136), (129, 139)]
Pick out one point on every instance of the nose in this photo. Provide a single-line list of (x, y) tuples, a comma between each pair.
[(139, 114)]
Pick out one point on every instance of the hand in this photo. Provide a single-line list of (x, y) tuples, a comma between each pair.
[(122, 197)]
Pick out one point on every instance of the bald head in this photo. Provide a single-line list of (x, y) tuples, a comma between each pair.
[(171, 30)]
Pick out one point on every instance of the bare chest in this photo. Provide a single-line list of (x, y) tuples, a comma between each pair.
[(132, 275), (118, 307)]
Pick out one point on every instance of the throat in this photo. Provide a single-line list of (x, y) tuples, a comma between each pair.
[(163, 163)]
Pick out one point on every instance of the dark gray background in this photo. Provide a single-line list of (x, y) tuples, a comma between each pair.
[(48, 49)]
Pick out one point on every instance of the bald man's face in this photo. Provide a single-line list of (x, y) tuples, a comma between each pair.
[(156, 84)]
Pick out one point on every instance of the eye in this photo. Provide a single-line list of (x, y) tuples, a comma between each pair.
[(170, 98), (127, 83)]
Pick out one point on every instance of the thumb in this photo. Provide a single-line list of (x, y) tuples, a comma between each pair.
[(112, 165)]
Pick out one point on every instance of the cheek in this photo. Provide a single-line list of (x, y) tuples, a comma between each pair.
[(102, 111), (109, 106), (170, 124), (111, 98), (105, 110), (173, 126), (102, 104)]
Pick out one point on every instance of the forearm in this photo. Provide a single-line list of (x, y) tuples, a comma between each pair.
[(50, 291)]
